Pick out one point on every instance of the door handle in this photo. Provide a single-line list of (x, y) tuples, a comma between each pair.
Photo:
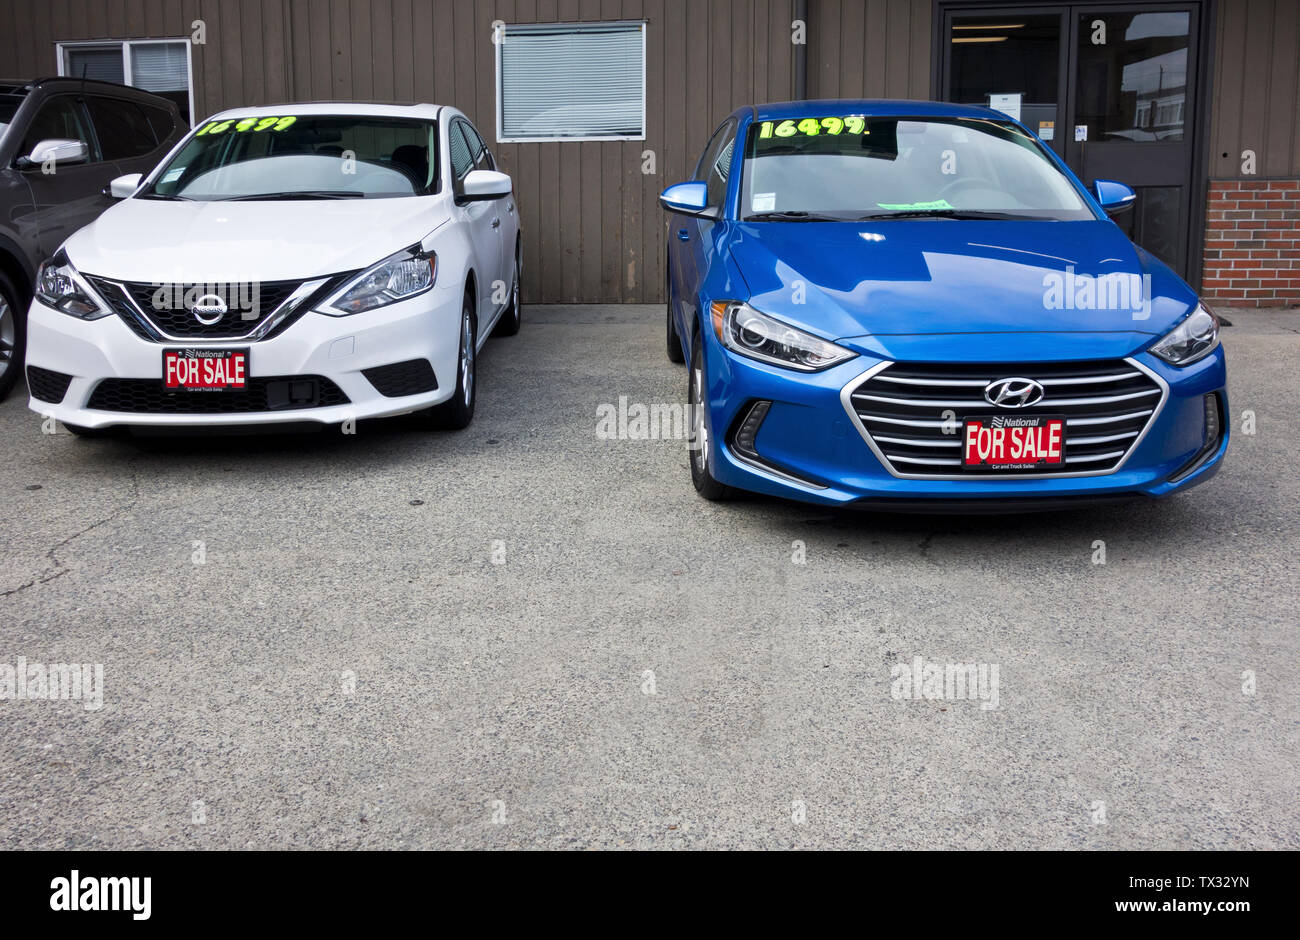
[(510, 207), (683, 234), (496, 223)]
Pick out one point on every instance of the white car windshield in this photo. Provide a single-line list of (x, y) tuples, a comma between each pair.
[(303, 157), (843, 167)]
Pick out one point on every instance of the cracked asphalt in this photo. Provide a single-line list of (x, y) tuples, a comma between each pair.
[(349, 668)]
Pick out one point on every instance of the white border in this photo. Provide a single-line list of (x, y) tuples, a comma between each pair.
[(499, 39), (125, 45)]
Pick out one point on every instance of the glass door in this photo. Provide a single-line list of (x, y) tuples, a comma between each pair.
[(1110, 88)]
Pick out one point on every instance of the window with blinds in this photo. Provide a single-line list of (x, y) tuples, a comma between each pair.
[(579, 81), (161, 67)]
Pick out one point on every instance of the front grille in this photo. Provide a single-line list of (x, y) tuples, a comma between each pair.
[(47, 385), (265, 393), (402, 378), (166, 308), (907, 410)]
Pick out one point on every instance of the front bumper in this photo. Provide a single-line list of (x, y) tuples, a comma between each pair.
[(335, 348), (810, 448)]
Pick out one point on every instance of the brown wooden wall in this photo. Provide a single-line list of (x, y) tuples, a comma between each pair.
[(1256, 99), (869, 49)]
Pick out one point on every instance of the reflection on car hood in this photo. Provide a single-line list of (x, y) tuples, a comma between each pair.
[(926, 277), (184, 242)]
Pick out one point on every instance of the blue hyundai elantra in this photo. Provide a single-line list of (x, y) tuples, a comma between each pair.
[(914, 305)]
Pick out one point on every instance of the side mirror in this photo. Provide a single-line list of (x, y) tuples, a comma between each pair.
[(1114, 197), (686, 199), (58, 149), (484, 185), (124, 186)]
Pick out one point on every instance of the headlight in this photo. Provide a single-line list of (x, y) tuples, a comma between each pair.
[(397, 277), (743, 329), (1193, 339), (60, 286)]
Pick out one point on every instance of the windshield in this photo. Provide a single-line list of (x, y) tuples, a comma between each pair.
[(303, 157), (851, 167)]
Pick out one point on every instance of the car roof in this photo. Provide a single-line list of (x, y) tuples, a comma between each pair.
[(870, 107), (336, 108), (23, 86)]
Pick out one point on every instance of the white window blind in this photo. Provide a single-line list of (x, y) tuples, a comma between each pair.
[(104, 65), (161, 66), (571, 81)]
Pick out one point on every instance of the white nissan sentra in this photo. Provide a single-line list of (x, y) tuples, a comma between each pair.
[(298, 263)]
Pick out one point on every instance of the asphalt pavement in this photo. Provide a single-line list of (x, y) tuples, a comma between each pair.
[(527, 635)]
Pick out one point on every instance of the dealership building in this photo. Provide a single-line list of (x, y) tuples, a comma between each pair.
[(594, 106)]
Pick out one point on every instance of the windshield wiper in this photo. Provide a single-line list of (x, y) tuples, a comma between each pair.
[(163, 196), (938, 214), (791, 216), (299, 194)]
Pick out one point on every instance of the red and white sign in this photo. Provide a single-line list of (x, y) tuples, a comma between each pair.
[(1014, 443), (205, 370)]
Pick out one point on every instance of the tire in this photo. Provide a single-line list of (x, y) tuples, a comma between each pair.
[(701, 434), (13, 335), (674, 341), (457, 412), (513, 318)]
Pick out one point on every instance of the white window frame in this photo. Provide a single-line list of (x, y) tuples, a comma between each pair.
[(125, 45), (499, 38)]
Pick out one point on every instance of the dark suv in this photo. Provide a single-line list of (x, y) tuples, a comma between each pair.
[(62, 140)]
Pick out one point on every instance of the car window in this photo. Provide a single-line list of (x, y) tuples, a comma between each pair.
[(715, 165), (462, 157), (482, 156), (161, 120), (59, 118), (846, 166), (302, 156), (121, 127)]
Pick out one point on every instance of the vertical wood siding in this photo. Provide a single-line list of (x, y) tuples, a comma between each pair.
[(1256, 98)]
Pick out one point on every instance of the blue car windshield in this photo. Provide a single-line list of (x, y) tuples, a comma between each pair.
[(848, 167)]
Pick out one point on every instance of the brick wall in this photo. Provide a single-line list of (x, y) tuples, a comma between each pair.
[(1252, 243)]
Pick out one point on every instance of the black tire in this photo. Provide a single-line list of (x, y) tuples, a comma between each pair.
[(457, 412), (13, 335), (513, 318), (674, 341), (701, 433)]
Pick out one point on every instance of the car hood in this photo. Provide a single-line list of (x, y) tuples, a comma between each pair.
[(917, 278), (160, 241)]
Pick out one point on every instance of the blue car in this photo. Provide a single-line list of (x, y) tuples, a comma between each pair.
[(911, 305)]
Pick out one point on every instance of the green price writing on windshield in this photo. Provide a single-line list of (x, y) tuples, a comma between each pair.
[(213, 128), (813, 127)]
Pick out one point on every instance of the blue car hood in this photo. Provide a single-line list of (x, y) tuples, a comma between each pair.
[(927, 279)]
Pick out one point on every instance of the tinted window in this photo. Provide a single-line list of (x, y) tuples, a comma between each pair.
[(58, 118), (160, 120), (121, 127), (462, 157)]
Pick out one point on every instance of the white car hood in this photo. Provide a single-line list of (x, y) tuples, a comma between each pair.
[(158, 241)]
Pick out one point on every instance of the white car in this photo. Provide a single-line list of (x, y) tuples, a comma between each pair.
[(300, 263)]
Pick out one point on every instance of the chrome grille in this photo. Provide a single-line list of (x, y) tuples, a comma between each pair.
[(912, 413)]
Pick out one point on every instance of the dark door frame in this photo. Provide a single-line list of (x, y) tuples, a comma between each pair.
[(1198, 188)]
